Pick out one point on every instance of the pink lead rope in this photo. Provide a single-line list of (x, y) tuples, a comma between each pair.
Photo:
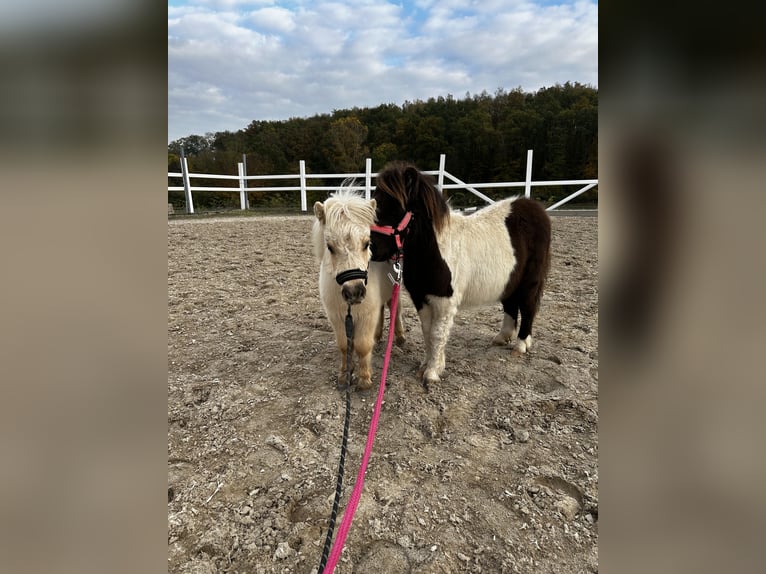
[(356, 494)]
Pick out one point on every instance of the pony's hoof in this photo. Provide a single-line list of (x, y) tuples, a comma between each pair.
[(428, 382), (500, 340), (521, 346), (342, 380), (364, 384), (430, 377)]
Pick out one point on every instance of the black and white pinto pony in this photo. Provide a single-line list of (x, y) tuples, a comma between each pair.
[(450, 260), (341, 240)]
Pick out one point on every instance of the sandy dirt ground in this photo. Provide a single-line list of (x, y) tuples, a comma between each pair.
[(494, 470)]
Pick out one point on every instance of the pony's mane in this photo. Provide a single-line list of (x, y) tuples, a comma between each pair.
[(347, 205), (414, 190)]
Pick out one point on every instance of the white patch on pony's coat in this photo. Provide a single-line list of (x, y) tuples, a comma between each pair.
[(478, 251), (523, 345)]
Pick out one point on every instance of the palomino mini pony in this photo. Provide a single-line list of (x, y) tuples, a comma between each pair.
[(341, 238), (500, 253)]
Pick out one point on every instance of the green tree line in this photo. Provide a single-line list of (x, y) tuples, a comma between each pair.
[(485, 138)]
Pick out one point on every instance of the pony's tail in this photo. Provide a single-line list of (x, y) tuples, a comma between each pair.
[(537, 226)]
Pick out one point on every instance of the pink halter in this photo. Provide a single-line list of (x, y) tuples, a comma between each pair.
[(395, 231)]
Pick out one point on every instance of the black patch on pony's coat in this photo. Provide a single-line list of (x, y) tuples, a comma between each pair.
[(425, 270), (529, 228)]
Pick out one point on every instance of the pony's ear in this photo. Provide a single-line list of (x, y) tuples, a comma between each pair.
[(319, 211), (373, 204)]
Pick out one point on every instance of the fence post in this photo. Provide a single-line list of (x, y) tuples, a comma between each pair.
[(242, 190), (187, 185), (303, 184), (368, 178), (528, 181), (442, 161), (244, 172)]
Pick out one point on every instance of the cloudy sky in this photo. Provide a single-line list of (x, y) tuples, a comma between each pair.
[(234, 61)]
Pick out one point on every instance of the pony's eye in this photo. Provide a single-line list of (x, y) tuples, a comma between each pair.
[(330, 249)]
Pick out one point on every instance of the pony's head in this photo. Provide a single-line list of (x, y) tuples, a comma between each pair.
[(400, 188), (341, 237)]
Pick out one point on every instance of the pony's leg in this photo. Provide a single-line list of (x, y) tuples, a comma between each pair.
[(340, 340), (511, 308), (398, 325), (425, 313), (529, 302), (444, 312), (363, 344), (380, 323)]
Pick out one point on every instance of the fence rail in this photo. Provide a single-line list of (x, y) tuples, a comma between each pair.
[(367, 175)]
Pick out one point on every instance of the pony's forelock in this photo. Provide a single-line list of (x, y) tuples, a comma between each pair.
[(348, 205), (411, 189)]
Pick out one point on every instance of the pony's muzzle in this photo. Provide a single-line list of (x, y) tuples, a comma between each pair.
[(353, 292)]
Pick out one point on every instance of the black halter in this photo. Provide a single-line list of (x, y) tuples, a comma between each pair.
[(350, 274)]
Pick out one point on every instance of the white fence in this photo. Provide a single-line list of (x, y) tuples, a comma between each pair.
[(368, 175)]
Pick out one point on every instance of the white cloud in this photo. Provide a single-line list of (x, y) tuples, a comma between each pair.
[(231, 62), (273, 18), (230, 4)]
